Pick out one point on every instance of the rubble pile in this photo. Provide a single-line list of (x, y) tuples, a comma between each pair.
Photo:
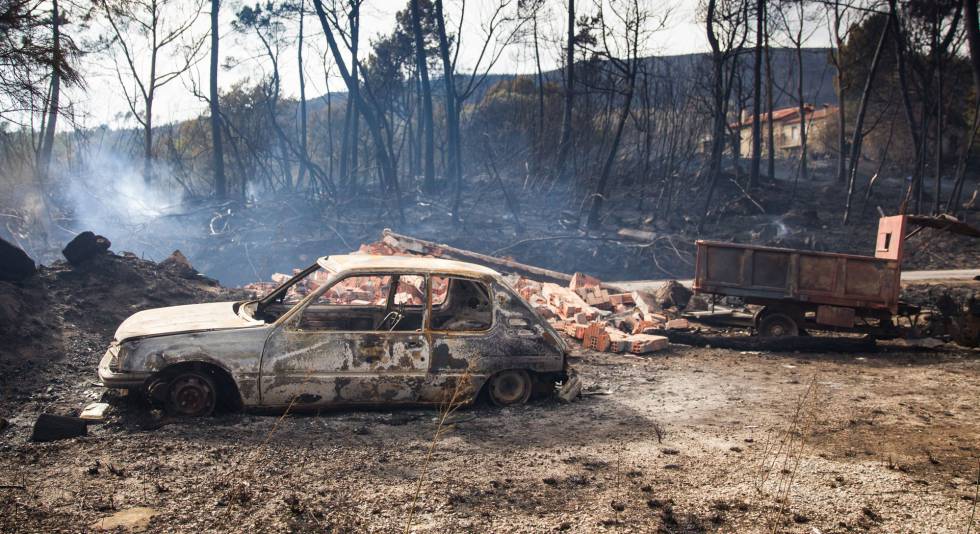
[(602, 318)]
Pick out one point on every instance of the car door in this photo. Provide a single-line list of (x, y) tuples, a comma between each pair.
[(461, 327), (345, 346)]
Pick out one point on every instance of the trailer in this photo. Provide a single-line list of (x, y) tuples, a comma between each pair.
[(800, 290)]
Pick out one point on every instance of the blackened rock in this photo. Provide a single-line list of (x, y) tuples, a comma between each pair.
[(53, 427), (15, 264), (84, 246)]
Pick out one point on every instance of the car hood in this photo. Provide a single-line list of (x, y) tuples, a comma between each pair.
[(182, 319)]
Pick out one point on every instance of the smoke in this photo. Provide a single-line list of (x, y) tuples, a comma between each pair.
[(110, 197), (781, 229)]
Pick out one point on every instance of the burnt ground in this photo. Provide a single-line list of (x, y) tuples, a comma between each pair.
[(687, 440), (241, 242)]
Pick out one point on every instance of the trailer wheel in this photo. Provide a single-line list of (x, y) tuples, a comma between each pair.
[(777, 325)]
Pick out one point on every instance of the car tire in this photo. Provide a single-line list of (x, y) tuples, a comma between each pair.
[(510, 388), (192, 394), (778, 325)]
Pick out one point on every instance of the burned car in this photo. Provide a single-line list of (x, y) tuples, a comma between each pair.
[(348, 330)]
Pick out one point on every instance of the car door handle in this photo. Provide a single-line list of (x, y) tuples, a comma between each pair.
[(414, 344)]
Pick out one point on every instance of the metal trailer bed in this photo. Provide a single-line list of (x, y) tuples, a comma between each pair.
[(800, 290)]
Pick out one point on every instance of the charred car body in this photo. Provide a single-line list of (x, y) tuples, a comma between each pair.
[(348, 330)]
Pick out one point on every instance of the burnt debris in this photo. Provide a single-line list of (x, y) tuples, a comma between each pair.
[(85, 246), (15, 264)]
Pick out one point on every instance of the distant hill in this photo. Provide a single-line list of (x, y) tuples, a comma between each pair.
[(818, 76)]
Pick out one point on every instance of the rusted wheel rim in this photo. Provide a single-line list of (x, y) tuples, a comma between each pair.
[(192, 395), (778, 325), (510, 387)]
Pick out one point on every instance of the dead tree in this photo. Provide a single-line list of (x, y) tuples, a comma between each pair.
[(858, 136), (930, 19), (836, 12), (770, 127), (454, 170), (421, 63), (217, 155), (760, 9), (564, 146), (794, 26), (497, 36), (371, 118), (144, 31), (633, 20), (972, 23), (729, 18), (53, 104)]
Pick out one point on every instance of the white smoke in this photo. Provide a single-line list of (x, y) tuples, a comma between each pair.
[(110, 197)]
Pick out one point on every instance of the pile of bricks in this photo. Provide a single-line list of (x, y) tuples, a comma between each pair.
[(601, 319)]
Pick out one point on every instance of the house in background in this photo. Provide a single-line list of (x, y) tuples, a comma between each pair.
[(786, 130)]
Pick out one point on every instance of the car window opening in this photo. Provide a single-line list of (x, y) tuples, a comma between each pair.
[(460, 304), (367, 304)]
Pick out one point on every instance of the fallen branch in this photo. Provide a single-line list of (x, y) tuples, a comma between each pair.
[(550, 238), (420, 246), (945, 222), (748, 196)]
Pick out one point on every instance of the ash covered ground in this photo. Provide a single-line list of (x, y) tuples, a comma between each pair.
[(684, 440)]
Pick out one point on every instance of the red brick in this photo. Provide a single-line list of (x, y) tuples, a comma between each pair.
[(645, 343), (580, 280)]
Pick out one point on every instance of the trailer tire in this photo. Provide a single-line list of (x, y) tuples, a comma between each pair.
[(778, 325)]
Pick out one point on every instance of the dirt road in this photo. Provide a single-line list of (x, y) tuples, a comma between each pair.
[(948, 275), (689, 440)]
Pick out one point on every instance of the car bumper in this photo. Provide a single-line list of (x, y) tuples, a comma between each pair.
[(119, 379)]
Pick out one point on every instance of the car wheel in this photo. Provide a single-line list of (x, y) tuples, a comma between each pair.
[(192, 394), (509, 388), (778, 325)]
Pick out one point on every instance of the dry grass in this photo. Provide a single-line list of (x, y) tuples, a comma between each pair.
[(781, 456), (453, 402)]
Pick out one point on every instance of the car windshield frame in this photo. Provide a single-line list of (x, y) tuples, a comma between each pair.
[(279, 292)]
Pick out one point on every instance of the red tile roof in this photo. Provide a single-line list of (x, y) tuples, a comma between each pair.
[(788, 115)]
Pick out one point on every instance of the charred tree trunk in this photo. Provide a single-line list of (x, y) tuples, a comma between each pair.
[(51, 123), (217, 153), (973, 38), (802, 172), (371, 118), (345, 140), (565, 145), (841, 99), (428, 136), (537, 64), (972, 21), (600, 191), (906, 102), (455, 173), (355, 118), (757, 97), (939, 133), (857, 138), (303, 136), (720, 93), (770, 132)]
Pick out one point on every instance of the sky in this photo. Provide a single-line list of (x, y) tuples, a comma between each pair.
[(102, 102)]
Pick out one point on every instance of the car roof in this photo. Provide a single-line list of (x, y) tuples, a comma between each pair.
[(418, 264)]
